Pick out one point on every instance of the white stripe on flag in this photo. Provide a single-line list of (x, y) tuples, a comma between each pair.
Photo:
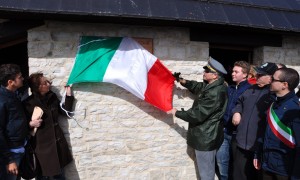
[(129, 67)]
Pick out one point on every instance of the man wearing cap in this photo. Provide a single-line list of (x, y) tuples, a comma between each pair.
[(205, 132), (248, 116)]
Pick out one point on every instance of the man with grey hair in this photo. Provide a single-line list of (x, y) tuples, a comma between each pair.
[(205, 132), (248, 115)]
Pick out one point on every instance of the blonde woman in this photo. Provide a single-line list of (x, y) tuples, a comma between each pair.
[(252, 75)]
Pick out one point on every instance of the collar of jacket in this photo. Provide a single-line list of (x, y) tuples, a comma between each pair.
[(217, 82), (43, 100), (241, 84), (280, 100), (256, 87), (6, 92)]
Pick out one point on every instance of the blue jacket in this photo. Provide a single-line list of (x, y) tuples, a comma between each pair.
[(277, 157), (13, 124), (234, 92)]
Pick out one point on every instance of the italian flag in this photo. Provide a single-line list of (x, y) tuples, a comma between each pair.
[(124, 62), (280, 130)]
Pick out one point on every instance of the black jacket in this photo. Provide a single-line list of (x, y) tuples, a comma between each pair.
[(51, 146), (13, 123), (252, 105)]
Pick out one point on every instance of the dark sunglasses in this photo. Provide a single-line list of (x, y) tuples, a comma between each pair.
[(208, 71), (276, 80)]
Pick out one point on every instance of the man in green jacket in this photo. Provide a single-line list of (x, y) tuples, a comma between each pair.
[(205, 133)]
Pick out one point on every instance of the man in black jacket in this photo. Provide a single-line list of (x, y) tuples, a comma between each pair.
[(13, 123), (248, 116)]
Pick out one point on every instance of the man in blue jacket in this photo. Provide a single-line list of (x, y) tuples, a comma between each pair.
[(13, 123), (239, 76), (281, 142)]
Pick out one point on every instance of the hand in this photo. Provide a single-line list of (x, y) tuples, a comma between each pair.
[(176, 75), (68, 90), (12, 168), (35, 123), (256, 164), (236, 119), (172, 111)]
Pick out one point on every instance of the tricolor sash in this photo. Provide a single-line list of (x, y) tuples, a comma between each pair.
[(281, 131)]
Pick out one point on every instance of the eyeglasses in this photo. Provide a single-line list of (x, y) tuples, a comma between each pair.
[(46, 83), (276, 80)]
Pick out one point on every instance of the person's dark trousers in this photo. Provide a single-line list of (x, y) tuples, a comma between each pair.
[(272, 176), (243, 168)]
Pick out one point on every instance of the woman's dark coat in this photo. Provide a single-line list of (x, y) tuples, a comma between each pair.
[(51, 146)]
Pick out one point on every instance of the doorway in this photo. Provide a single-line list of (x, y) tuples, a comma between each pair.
[(16, 54), (228, 55)]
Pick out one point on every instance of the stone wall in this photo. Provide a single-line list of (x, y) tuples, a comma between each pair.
[(121, 136), (288, 54), (115, 134)]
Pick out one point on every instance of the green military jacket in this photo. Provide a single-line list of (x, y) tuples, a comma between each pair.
[(205, 131)]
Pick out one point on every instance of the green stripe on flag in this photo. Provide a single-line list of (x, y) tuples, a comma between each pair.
[(92, 59)]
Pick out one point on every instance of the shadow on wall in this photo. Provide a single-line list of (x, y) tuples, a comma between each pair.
[(109, 89), (118, 92)]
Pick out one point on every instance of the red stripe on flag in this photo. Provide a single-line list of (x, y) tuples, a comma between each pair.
[(160, 85)]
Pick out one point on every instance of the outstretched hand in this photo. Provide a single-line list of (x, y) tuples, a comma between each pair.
[(68, 90), (176, 75), (172, 111)]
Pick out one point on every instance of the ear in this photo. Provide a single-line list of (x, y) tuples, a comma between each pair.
[(216, 76), (10, 82), (285, 85)]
